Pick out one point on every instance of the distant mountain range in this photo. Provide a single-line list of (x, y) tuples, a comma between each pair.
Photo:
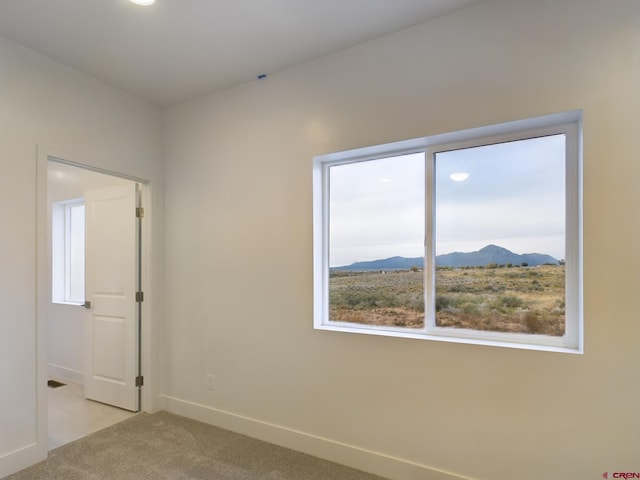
[(485, 256)]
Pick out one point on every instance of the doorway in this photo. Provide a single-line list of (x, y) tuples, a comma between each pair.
[(76, 331)]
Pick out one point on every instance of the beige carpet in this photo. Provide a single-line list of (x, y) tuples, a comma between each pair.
[(166, 446)]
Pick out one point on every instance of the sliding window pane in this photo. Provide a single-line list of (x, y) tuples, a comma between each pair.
[(500, 236), (376, 246)]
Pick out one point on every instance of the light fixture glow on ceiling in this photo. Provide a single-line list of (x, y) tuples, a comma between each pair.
[(459, 176), (144, 3)]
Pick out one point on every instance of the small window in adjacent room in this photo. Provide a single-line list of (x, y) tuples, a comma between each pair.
[(469, 237), (67, 219)]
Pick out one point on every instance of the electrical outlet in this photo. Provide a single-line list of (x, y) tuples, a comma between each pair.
[(211, 382)]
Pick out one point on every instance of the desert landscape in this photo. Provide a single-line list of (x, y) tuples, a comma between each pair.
[(495, 297)]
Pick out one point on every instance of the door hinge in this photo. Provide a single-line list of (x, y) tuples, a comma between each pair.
[(139, 297), (139, 381), (139, 212)]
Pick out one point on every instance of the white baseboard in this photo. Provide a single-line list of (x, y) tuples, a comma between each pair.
[(24, 457), (349, 455), (64, 373)]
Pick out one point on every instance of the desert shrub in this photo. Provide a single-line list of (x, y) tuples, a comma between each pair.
[(494, 288), (506, 303), (443, 302), (511, 301), (360, 300), (410, 301), (471, 308), (532, 322)]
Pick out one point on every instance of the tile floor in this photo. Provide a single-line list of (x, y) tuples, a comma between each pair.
[(71, 416)]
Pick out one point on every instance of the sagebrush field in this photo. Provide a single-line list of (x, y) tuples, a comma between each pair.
[(497, 298)]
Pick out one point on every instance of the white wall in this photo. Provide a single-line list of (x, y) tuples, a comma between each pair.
[(239, 253), (65, 323), (80, 119)]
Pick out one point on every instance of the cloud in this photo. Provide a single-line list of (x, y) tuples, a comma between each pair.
[(513, 197)]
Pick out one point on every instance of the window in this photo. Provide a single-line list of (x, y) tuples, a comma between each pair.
[(470, 237), (67, 220)]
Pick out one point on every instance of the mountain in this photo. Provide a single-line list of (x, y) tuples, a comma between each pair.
[(492, 254), (393, 263), (485, 256)]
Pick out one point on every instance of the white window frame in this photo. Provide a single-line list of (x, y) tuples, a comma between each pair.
[(61, 245), (567, 123)]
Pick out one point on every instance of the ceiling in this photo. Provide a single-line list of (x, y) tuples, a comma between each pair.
[(177, 50)]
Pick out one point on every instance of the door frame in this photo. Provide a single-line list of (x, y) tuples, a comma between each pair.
[(43, 290)]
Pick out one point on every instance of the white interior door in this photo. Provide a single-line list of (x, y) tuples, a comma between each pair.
[(111, 282)]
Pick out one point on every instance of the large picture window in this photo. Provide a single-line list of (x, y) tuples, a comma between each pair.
[(471, 237)]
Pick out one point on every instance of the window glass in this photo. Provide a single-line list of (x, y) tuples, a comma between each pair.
[(67, 259), (75, 268), (500, 236), (376, 225)]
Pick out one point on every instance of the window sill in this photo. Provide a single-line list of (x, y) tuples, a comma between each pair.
[(542, 343), (60, 302)]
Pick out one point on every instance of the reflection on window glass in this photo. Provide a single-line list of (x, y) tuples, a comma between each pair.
[(500, 236), (376, 244)]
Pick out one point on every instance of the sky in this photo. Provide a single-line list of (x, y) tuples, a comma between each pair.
[(513, 197)]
